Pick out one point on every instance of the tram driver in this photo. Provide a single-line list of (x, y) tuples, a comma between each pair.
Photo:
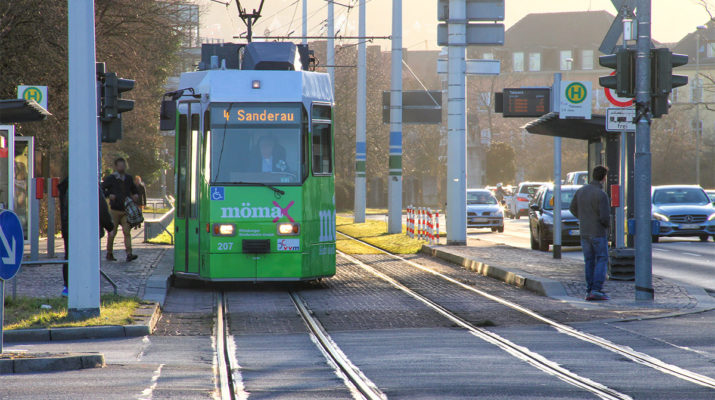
[(271, 156)]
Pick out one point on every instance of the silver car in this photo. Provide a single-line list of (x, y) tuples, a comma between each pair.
[(683, 210), (483, 210)]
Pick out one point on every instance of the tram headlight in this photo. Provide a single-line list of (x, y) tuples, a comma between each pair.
[(224, 229), (288, 229)]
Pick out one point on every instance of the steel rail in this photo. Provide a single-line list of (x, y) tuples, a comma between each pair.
[(633, 355), (522, 353), (330, 349)]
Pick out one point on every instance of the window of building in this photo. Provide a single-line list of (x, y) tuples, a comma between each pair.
[(565, 58), (710, 48), (534, 61), (518, 61), (587, 59)]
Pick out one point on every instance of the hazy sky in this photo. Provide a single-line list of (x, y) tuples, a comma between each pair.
[(672, 19)]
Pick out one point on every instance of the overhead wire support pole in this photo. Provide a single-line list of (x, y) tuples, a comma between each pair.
[(456, 124), (83, 299), (557, 173), (360, 123), (644, 272), (305, 22), (278, 37), (394, 185), (330, 53)]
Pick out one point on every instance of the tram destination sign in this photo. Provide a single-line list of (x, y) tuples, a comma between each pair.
[(237, 114), (523, 102)]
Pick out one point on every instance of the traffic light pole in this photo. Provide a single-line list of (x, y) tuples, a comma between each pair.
[(84, 208), (644, 273), (360, 127), (394, 185)]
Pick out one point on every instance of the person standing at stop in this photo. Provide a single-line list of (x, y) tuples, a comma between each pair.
[(590, 205), (118, 186)]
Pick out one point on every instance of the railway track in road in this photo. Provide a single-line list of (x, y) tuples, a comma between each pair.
[(627, 352), (229, 377)]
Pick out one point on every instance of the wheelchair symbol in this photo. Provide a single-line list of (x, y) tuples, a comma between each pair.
[(217, 193)]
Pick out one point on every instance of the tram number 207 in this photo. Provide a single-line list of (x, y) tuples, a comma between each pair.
[(225, 245)]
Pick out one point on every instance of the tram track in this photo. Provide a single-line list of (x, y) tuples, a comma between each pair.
[(229, 379), (625, 351)]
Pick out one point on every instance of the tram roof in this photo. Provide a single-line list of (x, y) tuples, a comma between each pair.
[(275, 86)]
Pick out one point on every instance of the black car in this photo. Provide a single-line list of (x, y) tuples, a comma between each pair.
[(541, 218)]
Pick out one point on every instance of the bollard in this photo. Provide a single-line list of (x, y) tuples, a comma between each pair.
[(437, 223), (37, 192)]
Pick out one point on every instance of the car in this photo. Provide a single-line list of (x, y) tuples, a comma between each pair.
[(711, 194), (541, 218), (683, 210), (483, 211), (517, 205), (576, 178)]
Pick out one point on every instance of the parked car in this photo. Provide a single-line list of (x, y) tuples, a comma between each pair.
[(517, 205), (576, 178), (541, 218), (483, 211), (711, 194), (683, 210)]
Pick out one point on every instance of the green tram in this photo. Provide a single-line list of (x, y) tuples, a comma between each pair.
[(255, 185)]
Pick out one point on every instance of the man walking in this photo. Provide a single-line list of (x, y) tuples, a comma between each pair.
[(118, 186), (590, 206)]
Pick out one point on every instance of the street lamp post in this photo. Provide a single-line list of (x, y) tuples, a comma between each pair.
[(698, 100)]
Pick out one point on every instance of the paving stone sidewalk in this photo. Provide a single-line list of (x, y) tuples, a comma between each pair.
[(570, 273), (46, 280)]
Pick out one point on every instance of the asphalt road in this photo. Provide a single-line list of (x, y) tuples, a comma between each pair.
[(683, 259)]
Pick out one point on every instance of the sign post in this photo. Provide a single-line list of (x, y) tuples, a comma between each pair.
[(11, 247)]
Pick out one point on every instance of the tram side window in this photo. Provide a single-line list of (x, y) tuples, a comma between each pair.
[(322, 149)]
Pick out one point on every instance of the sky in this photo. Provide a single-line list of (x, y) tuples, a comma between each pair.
[(672, 19)]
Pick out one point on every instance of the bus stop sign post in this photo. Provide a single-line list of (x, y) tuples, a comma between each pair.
[(11, 248)]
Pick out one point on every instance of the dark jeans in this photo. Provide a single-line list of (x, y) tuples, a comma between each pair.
[(595, 256)]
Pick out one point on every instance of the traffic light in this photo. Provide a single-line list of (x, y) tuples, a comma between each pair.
[(112, 105), (623, 80), (662, 79)]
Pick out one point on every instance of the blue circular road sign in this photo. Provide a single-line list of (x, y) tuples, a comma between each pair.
[(12, 244)]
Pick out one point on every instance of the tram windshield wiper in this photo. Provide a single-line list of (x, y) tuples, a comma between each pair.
[(273, 188)]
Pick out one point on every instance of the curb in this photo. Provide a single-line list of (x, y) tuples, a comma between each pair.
[(50, 363), (157, 285), (520, 279), (147, 313)]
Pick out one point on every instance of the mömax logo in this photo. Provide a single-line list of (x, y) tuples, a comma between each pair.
[(245, 211)]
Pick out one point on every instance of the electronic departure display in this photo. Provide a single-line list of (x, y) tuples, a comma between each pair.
[(527, 102)]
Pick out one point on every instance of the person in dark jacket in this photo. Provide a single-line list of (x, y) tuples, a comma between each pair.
[(105, 223), (118, 186), (590, 205)]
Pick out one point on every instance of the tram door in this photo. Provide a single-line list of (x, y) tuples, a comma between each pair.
[(187, 193)]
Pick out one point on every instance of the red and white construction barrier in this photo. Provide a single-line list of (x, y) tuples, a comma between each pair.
[(423, 224)]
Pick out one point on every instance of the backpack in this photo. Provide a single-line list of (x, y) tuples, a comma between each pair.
[(134, 213)]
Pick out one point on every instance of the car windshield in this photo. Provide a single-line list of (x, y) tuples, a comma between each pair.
[(566, 197), (480, 198), (712, 196), (581, 179), (680, 196), (256, 143), (530, 189)]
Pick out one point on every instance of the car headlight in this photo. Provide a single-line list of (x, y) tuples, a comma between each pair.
[(548, 219), (224, 229), (500, 213), (662, 217), (711, 217), (287, 228)]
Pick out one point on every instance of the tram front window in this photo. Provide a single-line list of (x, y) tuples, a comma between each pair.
[(255, 151)]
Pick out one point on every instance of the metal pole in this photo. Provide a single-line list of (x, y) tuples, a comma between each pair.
[(394, 185), (50, 221), (557, 179), (331, 42), (34, 222), (83, 145), (620, 212), (360, 124), (305, 22), (456, 136), (2, 310), (644, 272), (698, 125)]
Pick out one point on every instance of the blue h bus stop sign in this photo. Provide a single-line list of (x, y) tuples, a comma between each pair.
[(11, 249)]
